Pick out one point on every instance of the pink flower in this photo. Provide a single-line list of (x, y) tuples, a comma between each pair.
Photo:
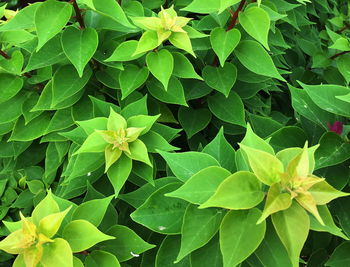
[(336, 127)]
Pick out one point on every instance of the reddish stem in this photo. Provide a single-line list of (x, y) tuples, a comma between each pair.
[(4, 55), (78, 15), (339, 54), (235, 15)]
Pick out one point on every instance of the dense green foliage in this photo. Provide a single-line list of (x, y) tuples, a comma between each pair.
[(192, 133)]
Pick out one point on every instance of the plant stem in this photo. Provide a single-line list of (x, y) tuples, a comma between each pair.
[(235, 15), (78, 15), (4, 55), (339, 54)]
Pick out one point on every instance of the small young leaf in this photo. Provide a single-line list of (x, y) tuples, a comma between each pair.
[(119, 172), (183, 68), (125, 52)]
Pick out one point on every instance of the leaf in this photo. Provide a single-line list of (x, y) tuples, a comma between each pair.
[(79, 46), (183, 68), (224, 42), (343, 64), (254, 57), (201, 186), (292, 226), (50, 224), (221, 79), (256, 22), (10, 85), (193, 120), (24, 19), (45, 207), (92, 211), (252, 140), (160, 213), (230, 109), (119, 172), (264, 165), (161, 65), (340, 256), (155, 141), (82, 235), (131, 78), (224, 4), (210, 254), (182, 41), (198, 6), (50, 17), (100, 258), (240, 235), (325, 96), (125, 52), (139, 152), (186, 164), (93, 144), (199, 226), (222, 151), (324, 193), (126, 243), (241, 190), (56, 253), (147, 42), (14, 64)]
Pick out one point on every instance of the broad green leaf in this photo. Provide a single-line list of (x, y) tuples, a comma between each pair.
[(210, 254), (89, 126), (161, 214), (115, 121), (57, 253), (324, 193), (125, 52), (256, 22), (224, 4), (275, 201), (193, 120), (24, 19), (186, 164), (142, 121), (126, 243), (241, 190), (201, 186), (340, 256), (199, 226), (147, 42), (255, 58), (161, 65), (221, 79), (82, 235), (155, 141), (79, 46), (343, 64), (94, 143), (10, 85), (131, 78), (111, 156), (50, 224), (100, 258), (292, 226), (252, 140), (222, 151), (240, 235), (264, 165), (183, 67), (198, 6), (119, 172), (230, 109), (325, 96), (14, 64), (139, 152), (92, 211), (182, 40), (224, 42), (46, 207), (50, 17)]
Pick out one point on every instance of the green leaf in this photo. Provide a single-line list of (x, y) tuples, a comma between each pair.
[(240, 235), (99, 208), (160, 213), (79, 46), (201, 186), (324, 193), (14, 64), (256, 22), (142, 121), (221, 79), (210, 254), (252, 140), (126, 243), (199, 226), (119, 172), (198, 6), (100, 258), (139, 152), (193, 120), (10, 85), (186, 164), (343, 64), (147, 42), (255, 58), (292, 226), (50, 224), (94, 143), (224, 42), (182, 40), (125, 52), (264, 165), (155, 141), (325, 96), (222, 151), (56, 253), (46, 207), (24, 19), (111, 156), (241, 190), (82, 235), (131, 78), (167, 253), (50, 17), (227, 3), (340, 256), (183, 68), (161, 65), (230, 109)]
